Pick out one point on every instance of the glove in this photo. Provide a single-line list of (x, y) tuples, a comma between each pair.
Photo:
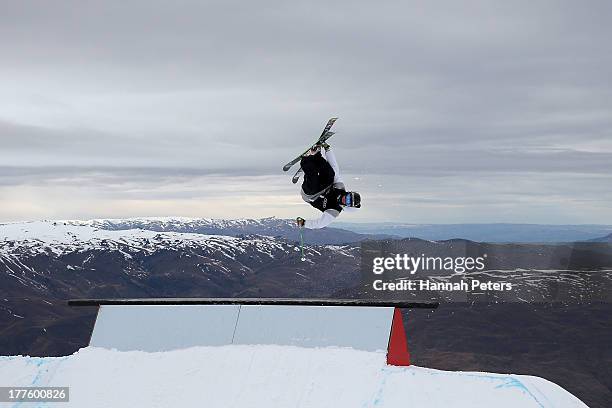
[(300, 221)]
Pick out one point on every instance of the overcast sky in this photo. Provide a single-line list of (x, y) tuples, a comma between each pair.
[(449, 112)]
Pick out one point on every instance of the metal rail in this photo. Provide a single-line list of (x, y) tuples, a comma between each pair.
[(255, 301)]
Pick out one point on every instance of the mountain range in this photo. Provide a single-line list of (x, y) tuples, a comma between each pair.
[(502, 233), (607, 238), (273, 227)]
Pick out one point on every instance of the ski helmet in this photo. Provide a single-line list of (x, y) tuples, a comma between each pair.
[(350, 199)]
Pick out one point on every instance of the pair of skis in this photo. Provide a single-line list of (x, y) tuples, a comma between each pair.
[(326, 134)]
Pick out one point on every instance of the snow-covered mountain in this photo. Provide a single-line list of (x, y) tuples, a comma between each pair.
[(187, 224), (40, 254), (62, 237), (273, 227)]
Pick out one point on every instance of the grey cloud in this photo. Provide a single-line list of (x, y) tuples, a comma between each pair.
[(14, 175), (164, 94)]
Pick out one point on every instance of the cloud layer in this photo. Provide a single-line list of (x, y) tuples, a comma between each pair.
[(479, 112)]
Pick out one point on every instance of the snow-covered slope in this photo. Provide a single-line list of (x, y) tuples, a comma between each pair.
[(177, 223), (272, 227), (62, 259), (271, 376), (69, 236)]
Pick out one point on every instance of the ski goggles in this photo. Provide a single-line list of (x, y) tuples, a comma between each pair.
[(348, 199)]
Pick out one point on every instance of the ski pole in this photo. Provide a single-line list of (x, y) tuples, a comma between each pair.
[(302, 243)]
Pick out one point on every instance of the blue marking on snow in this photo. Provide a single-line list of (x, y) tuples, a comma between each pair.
[(513, 382), (506, 382), (510, 382), (378, 397), (39, 362)]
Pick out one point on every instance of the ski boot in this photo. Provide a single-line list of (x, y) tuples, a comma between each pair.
[(316, 148)]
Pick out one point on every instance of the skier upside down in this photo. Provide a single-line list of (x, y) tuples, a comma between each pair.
[(323, 187)]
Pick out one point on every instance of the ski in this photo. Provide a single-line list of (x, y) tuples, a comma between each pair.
[(322, 139), (329, 125), (326, 134)]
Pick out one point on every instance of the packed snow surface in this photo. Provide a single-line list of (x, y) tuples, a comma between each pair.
[(270, 376)]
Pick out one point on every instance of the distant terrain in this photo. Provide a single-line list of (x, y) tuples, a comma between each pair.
[(272, 227), (44, 263), (607, 238), (486, 232)]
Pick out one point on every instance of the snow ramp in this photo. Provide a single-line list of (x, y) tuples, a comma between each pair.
[(270, 376), (262, 353)]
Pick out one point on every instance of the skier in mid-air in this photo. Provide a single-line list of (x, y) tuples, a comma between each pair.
[(323, 187)]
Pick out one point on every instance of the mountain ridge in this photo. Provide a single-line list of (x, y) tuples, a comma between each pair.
[(607, 238)]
